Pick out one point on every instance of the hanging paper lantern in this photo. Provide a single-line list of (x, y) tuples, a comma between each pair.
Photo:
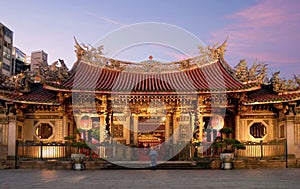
[(85, 123), (217, 122)]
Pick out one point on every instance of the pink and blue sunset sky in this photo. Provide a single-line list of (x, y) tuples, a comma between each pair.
[(266, 30)]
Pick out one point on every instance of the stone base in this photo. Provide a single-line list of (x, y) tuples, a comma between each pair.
[(298, 163), (253, 164), (215, 164), (239, 164), (208, 164), (57, 164), (3, 152)]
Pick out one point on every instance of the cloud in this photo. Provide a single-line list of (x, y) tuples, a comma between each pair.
[(268, 31), (176, 56), (108, 20)]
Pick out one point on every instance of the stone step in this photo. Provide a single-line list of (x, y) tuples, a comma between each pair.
[(146, 165)]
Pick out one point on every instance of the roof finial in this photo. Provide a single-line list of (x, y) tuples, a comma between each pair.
[(222, 49), (79, 50)]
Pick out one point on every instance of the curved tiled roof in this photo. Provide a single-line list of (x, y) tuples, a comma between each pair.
[(38, 96), (208, 78), (264, 96)]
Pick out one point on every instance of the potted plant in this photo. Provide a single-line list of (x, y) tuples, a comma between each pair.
[(77, 158), (228, 147)]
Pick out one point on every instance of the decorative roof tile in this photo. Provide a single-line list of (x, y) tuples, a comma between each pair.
[(39, 96), (264, 96), (211, 77)]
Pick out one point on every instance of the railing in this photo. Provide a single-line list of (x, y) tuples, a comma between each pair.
[(31, 150), (263, 149), (119, 152)]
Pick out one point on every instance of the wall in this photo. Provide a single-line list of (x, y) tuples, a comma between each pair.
[(32, 121), (246, 121)]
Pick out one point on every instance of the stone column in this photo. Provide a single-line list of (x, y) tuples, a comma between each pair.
[(201, 127), (175, 128), (126, 129), (12, 137), (135, 129), (290, 134), (167, 127), (237, 127), (192, 125), (65, 126), (102, 128)]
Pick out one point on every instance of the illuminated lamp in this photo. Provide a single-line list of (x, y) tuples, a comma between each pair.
[(217, 122), (85, 123)]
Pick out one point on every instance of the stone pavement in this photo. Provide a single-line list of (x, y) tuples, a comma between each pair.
[(238, 178)]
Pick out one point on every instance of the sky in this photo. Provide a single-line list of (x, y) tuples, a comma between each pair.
[(262, 30)]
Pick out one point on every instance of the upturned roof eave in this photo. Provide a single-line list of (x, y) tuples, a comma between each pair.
[(271, 101), (27, 102)]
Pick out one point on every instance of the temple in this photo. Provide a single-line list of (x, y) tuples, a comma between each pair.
[(108, 101)]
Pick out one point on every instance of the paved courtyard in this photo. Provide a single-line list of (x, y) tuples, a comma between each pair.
[(248, 178)]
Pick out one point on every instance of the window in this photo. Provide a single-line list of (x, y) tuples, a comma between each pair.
[(20, 132), (6, 67), (281, 132), (44, 131), (258, 130), (118, 130)]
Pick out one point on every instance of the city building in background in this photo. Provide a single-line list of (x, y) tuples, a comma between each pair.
[(6, 46), (38, 59), (28, 59), (19, 61)]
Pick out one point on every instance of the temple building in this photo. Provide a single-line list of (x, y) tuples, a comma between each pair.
[(103, 100)]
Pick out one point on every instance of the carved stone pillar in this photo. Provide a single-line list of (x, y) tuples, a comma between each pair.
[(126, 129), (135, 129), (167, 127), (126, 125), (201, 126), (65, 126), (237, 127), (175, 128), (192, 123), (102, 128)]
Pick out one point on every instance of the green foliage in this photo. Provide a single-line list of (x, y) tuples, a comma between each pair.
[(80, 145), (230, 141), (70, 138), (217, 145), (239, 146), (228, 145), (226, 130), (96, 133)]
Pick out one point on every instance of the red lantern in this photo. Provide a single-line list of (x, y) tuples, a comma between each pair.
[(85, 123)]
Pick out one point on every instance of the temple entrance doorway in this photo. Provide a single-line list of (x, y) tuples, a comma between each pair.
[(151, 133)]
